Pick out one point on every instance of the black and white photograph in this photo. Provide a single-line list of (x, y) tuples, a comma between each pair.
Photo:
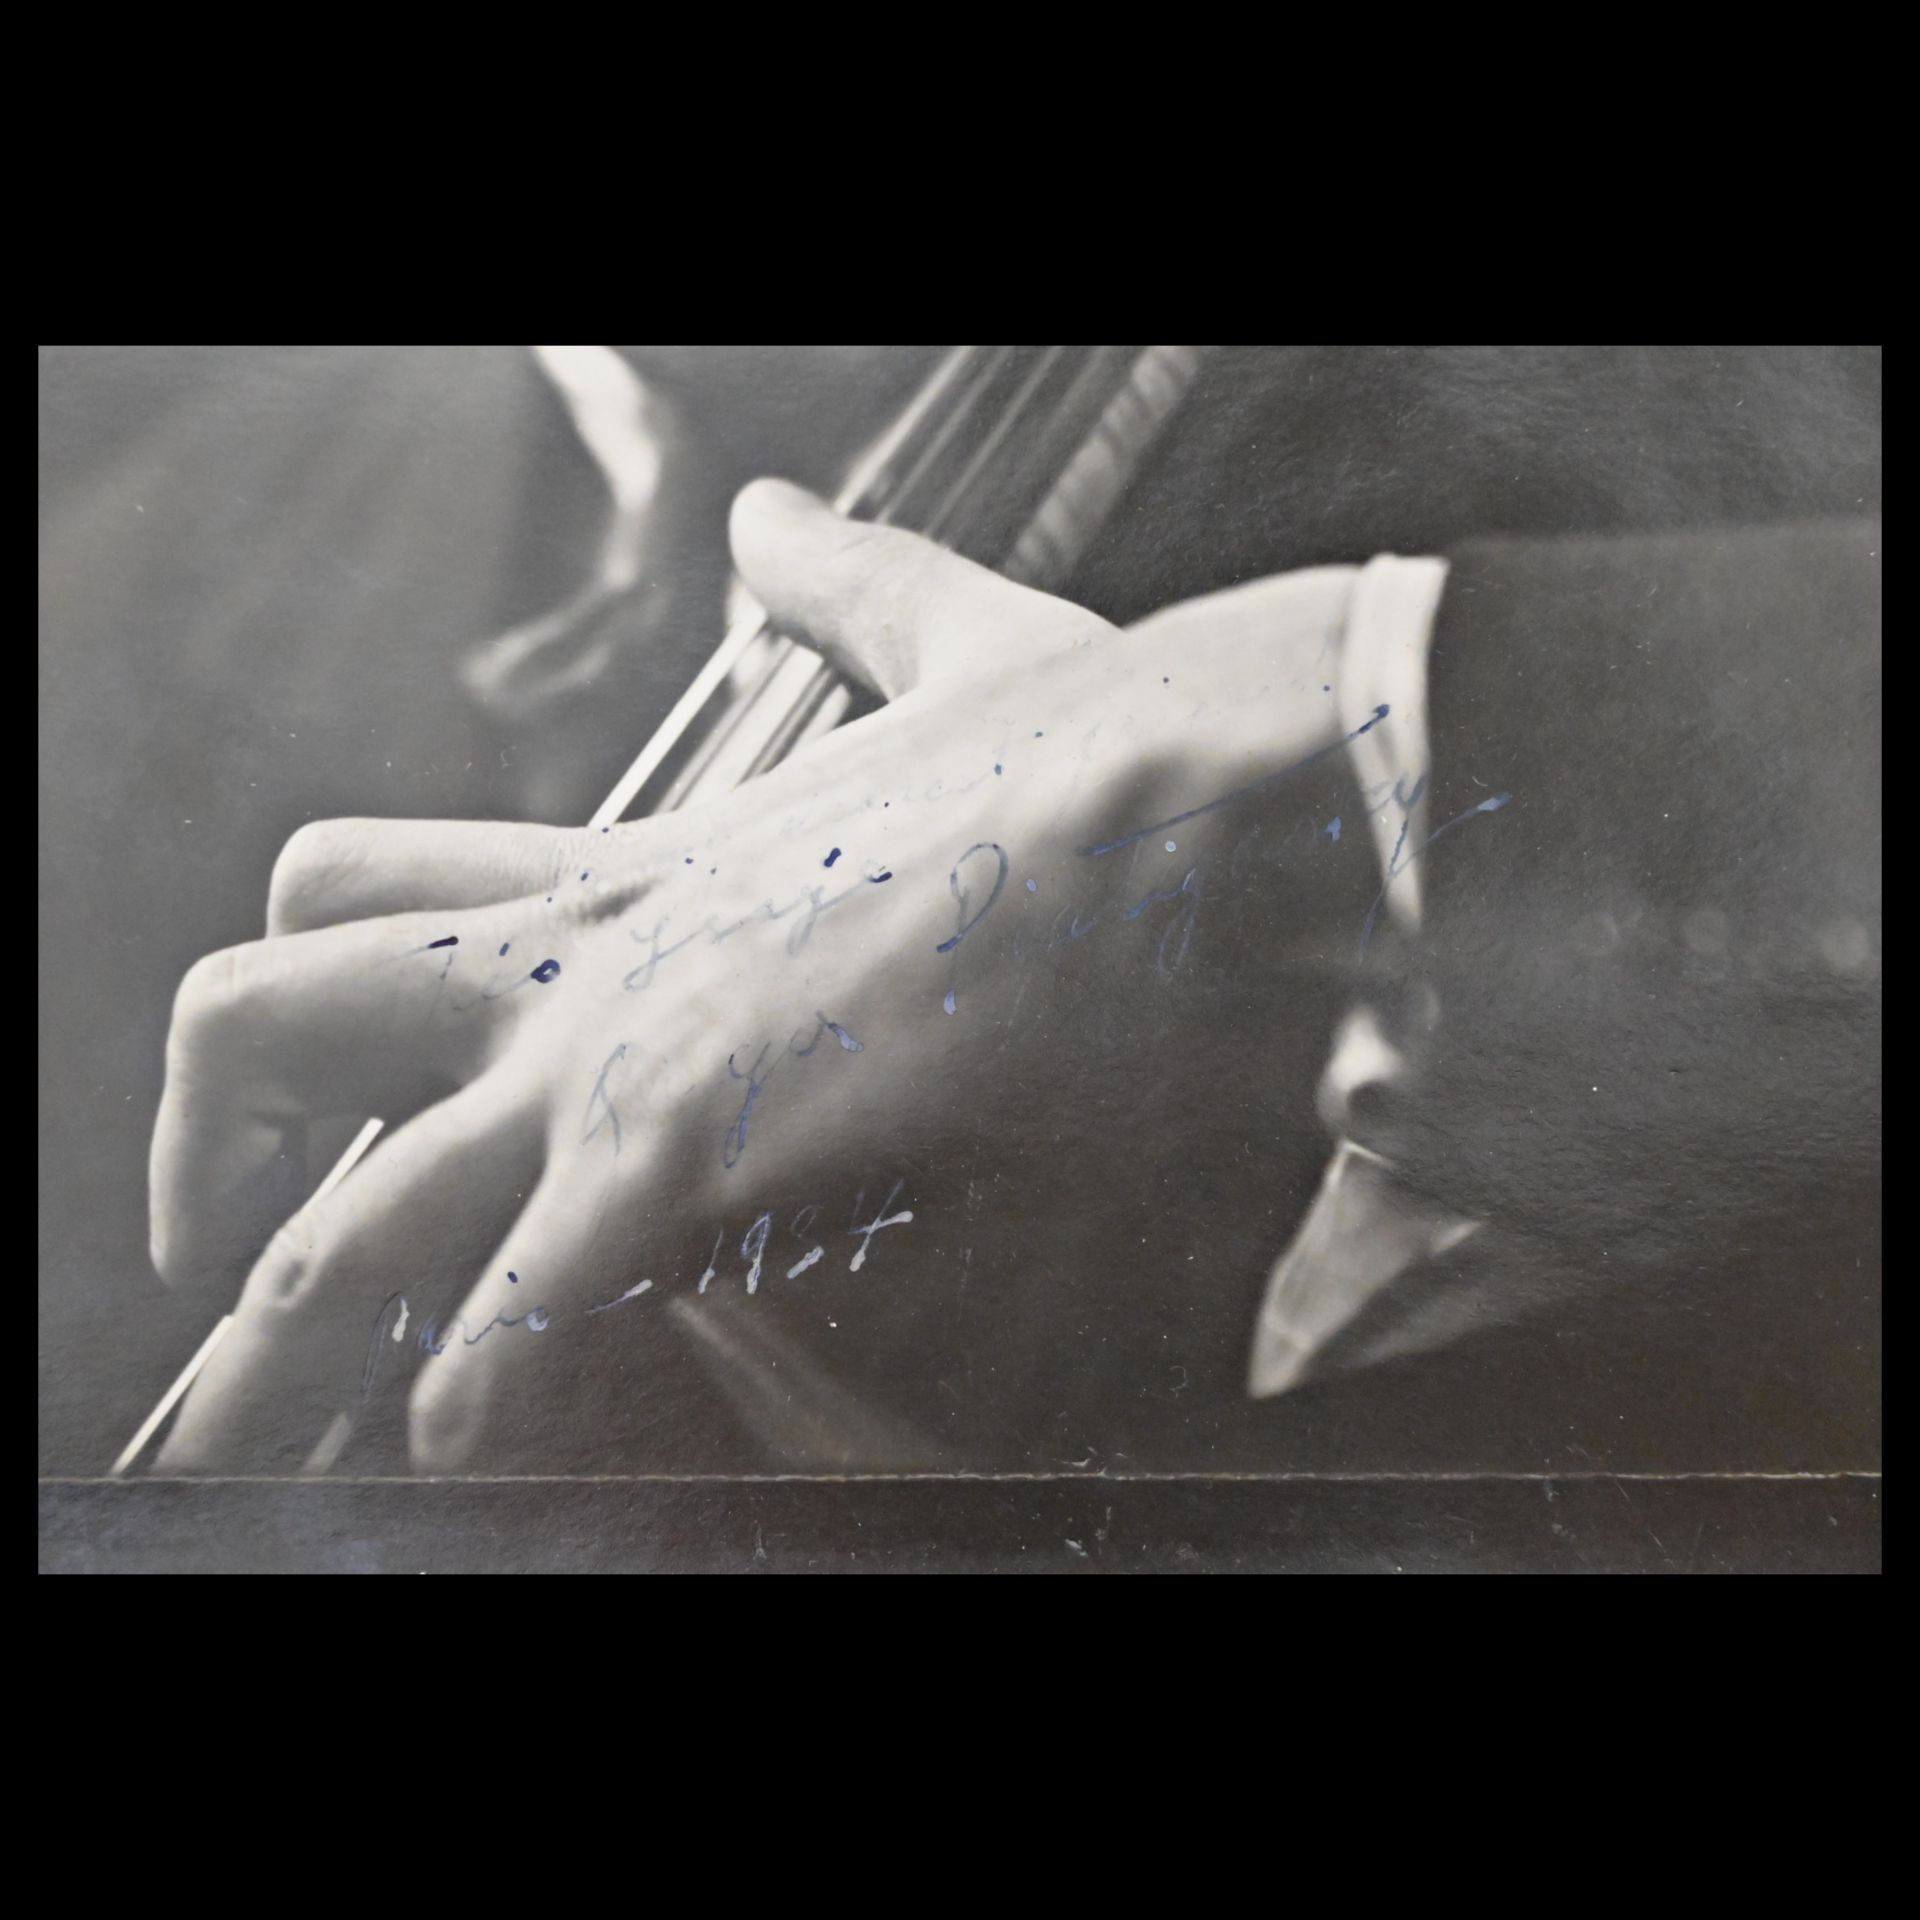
[(789, 959)]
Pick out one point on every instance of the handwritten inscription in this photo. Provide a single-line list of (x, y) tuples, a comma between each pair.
[(436, 1337)]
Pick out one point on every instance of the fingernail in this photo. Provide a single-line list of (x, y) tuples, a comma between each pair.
[(783, 497)]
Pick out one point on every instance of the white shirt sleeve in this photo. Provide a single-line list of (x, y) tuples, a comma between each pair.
[(1363, 1230)]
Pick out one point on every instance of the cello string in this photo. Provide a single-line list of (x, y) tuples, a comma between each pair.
[(1022, 402)]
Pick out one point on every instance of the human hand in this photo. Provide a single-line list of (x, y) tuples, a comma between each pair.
[(602, 1039)]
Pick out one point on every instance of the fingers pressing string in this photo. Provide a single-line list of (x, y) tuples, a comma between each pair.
[(887, 608)]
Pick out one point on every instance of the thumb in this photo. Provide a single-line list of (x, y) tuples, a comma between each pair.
[(886, 607)]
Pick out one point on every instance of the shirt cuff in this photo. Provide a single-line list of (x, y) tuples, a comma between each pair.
[(1383, 667)]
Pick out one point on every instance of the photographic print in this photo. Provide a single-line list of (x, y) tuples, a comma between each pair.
[(960, 959)]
